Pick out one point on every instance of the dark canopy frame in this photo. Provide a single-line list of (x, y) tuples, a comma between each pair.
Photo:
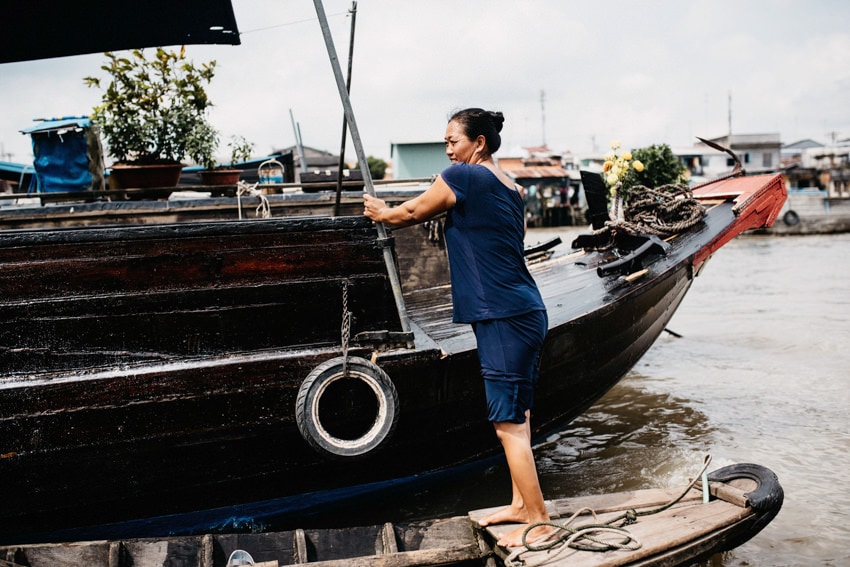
[(41, 29)]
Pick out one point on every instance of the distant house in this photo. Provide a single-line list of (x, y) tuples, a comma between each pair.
[(415, 160), (758, 153), (317, 160), (829, 165), (797, 147), (552, 185)]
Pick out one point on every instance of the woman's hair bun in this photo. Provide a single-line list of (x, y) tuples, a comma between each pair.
[(498, 119)]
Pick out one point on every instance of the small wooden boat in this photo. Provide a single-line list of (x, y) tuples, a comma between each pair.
[(653, 527), (644, 527)]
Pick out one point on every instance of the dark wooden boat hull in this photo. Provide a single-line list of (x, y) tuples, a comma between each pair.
[(150, 370), (190, 203)]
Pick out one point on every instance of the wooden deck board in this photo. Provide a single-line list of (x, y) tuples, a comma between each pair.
[(675, 533)]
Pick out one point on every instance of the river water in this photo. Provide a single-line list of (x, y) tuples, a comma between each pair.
[(761, 373)]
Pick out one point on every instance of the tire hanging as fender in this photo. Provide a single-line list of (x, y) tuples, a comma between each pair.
[(309, 419)]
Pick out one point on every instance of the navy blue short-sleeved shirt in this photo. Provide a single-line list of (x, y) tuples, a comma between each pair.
[(485, 238)]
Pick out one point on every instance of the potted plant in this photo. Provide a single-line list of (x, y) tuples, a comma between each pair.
[(149, 111), (201, 150)]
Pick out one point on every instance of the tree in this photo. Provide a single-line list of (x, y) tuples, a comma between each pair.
[(377, 167)]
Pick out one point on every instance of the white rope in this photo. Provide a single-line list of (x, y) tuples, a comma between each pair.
[(587, 537), (263, 209)]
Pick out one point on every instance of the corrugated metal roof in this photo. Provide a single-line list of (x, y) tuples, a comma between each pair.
[(537, 172)]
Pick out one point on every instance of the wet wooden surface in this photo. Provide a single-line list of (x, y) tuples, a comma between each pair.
[(673, 536)]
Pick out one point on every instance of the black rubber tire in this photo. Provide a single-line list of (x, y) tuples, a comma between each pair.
[(768, 493), (791, 218), (310, 393), (766, 500)]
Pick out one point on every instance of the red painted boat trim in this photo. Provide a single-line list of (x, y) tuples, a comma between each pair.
[(757, 201)]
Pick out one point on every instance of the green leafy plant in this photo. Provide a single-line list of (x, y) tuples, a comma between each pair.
[(662, 167), (653, 166), (240, 149), (201, 145), (153, 109), (204, 141)]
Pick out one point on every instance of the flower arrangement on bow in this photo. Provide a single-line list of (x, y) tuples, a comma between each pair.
[(619, 171)]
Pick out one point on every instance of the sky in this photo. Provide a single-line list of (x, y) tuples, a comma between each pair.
[(571, 74)]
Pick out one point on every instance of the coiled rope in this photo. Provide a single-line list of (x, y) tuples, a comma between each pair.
[(587, 537), (664, 211)]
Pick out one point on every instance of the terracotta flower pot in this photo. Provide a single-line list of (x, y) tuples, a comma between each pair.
[(125, 176), (220, 176)]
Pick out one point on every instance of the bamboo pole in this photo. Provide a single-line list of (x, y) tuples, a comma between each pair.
[(353, 13), (395, 282)]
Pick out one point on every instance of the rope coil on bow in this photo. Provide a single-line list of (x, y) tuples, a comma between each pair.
[(663, 211)]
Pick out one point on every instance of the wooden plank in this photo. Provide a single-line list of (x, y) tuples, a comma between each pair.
[(388, 541), (418, 558), (63, 555), (602, 503), (300, 544)]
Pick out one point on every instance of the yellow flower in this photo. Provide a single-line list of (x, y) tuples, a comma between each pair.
[(627, 155), (607, 166), (615, 145), (638, 165), (612, 179)]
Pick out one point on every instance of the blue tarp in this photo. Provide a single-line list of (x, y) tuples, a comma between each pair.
[(60, 147)]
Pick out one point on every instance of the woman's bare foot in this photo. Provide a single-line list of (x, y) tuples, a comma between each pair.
[(536, 535), (507, 515)]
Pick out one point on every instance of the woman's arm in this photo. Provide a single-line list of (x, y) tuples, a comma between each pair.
[(437, 199)]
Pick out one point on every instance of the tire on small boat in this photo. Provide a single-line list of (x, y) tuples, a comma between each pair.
[(766, 499), (791, 218), (346, 415)]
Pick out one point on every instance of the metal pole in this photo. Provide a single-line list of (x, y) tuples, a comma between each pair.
[(353, 13), (297, 131), (361, 157)]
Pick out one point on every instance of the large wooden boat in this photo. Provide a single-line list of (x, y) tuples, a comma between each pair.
[(158, 369), (151, 369), (673, 526)]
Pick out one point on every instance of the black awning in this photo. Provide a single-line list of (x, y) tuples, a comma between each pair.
[(39, 29)]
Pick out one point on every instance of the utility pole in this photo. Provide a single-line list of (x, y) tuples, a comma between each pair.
[(543, 115), (341, 165), (730, 119)]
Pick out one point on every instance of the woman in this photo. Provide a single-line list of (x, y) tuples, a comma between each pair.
[(493, 291)]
